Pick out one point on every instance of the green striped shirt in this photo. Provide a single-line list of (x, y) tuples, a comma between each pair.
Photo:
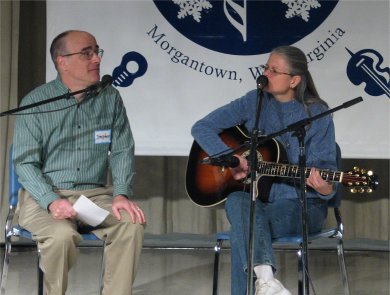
[(73, 148)]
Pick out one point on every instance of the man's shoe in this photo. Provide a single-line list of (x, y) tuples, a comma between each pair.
[(272, 287)]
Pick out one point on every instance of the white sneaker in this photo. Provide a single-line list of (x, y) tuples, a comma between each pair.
[(272, 287)]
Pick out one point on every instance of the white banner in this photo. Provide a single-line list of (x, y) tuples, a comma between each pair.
[(175, 61)]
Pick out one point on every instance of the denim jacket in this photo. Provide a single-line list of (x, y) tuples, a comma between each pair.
[(320, 145)]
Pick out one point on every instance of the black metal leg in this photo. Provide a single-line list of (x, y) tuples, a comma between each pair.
[(217, 250), (39, 277)]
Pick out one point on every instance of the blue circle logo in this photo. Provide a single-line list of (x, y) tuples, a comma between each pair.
[(245, 27)]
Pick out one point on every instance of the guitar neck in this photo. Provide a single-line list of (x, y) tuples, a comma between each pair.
[(293, 171)]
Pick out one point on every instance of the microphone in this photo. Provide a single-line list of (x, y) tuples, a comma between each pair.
[(224, 161), (261, 82), (106, 81), (101, 85)]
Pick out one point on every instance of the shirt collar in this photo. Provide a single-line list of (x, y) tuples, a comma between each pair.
[(60, 85)]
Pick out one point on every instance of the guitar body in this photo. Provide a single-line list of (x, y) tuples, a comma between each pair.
[(209, 185)]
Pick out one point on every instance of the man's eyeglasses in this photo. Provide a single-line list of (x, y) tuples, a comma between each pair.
[(273, 71), (88, 53)]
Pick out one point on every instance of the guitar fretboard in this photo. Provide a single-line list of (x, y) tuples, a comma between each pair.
[(292, 171)]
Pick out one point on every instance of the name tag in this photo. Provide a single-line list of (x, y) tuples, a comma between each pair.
[(102, 136)]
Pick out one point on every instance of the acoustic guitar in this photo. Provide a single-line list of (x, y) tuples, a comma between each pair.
[(209, 185)]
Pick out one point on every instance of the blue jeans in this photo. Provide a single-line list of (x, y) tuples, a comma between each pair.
[(272, 220)]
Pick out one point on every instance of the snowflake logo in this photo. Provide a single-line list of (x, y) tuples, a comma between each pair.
[(300, 8), (197, 19), (192, 7)]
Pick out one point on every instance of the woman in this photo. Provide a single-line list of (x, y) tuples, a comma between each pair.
[(289, 96)]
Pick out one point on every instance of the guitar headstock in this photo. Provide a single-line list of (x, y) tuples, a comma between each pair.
[(360, 180)]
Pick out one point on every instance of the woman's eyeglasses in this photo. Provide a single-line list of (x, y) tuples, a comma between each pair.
[(273, 71)]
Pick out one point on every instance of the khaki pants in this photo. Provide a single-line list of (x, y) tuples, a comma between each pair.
[(57, 241)]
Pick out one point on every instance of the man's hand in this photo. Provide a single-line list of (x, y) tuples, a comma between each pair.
[(62, 209), (122, 203)]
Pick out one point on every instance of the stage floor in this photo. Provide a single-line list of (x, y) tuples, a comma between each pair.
[(185, 271)]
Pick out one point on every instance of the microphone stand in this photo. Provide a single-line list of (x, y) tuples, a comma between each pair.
[(303, 287), (63, 96), (299, 131), (253, 190)]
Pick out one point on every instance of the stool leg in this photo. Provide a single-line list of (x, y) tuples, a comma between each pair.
[(102, 270), (4, 274), (217, 251), (39, 275), (300, 272), (343, 269)]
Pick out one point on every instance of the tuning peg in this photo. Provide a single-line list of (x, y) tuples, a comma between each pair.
[(361, 190), (369, 190), (353, 190), (370, 173)]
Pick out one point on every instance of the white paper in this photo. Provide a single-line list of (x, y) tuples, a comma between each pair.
[(88, 212)]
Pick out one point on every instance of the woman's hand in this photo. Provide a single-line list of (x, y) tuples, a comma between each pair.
[(242, 170), (316, 182)]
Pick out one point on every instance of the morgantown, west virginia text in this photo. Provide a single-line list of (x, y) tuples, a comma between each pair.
[(177, 56), (318, 53)]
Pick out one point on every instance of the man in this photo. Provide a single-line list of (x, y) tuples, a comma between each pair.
[(63, 150)]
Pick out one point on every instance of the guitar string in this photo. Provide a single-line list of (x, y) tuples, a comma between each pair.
[(287, 170)]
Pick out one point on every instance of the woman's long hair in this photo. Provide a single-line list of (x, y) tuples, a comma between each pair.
[(305, 92)]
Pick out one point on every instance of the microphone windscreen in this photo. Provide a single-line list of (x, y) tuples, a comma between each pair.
[(106, 80), (262, 81)]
